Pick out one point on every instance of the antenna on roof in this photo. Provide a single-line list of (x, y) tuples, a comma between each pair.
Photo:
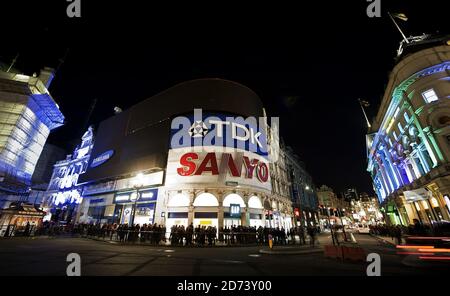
[(89, 114), (62, 60), (12, 63)]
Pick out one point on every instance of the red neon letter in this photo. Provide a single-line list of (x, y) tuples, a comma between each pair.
[(234, 170), (187, 163), (250, 166), (262, 172), (210, 157)]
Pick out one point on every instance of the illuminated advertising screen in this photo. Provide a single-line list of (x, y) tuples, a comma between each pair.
[(218, 149), (138, 139)]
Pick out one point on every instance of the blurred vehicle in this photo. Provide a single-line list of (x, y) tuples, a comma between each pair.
[(363, 229)]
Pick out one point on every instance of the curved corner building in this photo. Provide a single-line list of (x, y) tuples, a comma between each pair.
[(195, 153), (409, 142)]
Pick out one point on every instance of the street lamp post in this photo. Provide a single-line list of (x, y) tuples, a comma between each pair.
[(138, 184)]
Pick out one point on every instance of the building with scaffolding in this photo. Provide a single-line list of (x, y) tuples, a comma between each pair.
[(27, 115)]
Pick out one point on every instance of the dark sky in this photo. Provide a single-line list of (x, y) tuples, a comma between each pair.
[(308, 62)]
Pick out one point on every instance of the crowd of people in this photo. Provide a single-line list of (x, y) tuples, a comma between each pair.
[(238, 234), (416, 229), (179, 235), (393, 231), (151, 233)]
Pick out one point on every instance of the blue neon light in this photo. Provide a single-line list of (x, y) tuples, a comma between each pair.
[(102, 158)]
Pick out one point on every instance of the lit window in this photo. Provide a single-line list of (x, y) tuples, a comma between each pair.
[(405, 115), (434, 202), (400, 128), (396, 112), (429, 96), (425, 205), (233, 198), (179, 200), (206, 200), (255, 203), (417, 206)]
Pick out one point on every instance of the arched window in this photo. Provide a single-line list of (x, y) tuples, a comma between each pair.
[(274, 205), (178, 200), (206, 200), (233, 198), (254, 202)]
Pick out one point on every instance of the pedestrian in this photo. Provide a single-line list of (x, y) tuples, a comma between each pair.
[(302, 235), (312, 234), (27, 229), (398, 235)]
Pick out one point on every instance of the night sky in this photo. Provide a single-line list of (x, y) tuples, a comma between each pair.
[(308, 63)]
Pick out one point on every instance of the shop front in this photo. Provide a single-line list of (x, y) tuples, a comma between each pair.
[(177, 211), (205, 210), (20, 219), (136, 207)]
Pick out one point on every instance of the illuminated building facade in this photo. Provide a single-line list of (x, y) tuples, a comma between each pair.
[(332, 209), (186, 155), (63, 194), (27, 115), (408, 143), (302, 191), (282, 213), (365, 210)]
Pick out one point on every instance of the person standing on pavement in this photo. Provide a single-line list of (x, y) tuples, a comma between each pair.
[(312, 235), (398, 234), (301, 235)]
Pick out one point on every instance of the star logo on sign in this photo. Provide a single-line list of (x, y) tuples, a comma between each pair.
[(198, 129)]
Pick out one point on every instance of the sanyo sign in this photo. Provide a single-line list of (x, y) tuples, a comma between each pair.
[(221, 130)]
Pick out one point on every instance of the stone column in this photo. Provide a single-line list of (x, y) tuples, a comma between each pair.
[(220, 215), (191, 207), (263, 200), (245, 216)]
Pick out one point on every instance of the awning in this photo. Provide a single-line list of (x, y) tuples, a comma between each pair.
[(416, 195), (23, 210)]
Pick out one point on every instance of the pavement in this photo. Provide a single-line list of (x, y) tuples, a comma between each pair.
[(291, 250), (48, 256), (386, 239)]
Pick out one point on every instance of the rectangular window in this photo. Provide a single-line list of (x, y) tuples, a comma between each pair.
[(400, 128), (395, 135), (429, 96), (174, 215), (200, 215), (396, 112), (390, 142), (405, 115)]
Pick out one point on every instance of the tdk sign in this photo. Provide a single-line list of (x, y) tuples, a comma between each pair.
[(219, 130), (102, 158)]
